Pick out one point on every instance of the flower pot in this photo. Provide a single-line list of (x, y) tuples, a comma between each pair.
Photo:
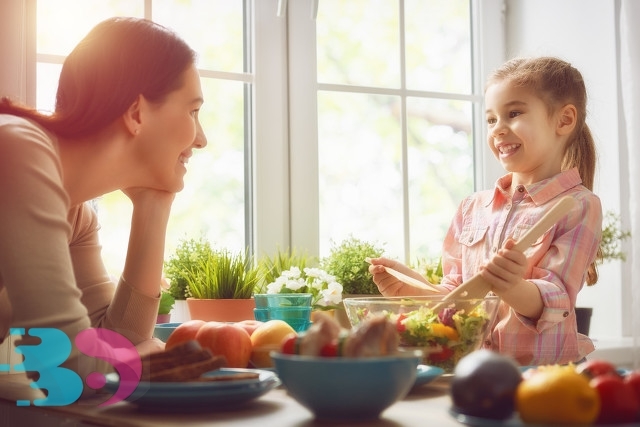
[(221, 310), (163, 318), (583, 319)]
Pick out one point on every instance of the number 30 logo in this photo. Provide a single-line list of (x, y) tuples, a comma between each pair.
[(65, 386)]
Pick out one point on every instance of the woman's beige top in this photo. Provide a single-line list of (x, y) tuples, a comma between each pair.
[(51, 271)]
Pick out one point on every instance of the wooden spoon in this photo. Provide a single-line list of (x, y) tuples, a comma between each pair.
[(477, 287)]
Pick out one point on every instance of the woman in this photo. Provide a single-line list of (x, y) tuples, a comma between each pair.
[(126, 118)]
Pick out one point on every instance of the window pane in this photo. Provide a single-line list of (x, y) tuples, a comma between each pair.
[(214, 28), (359, 146), (47, 82), (438, 45), (358, 42), (212, 202), (440, 169), (63, 23)]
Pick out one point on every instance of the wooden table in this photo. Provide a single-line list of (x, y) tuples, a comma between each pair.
[(426, 405)]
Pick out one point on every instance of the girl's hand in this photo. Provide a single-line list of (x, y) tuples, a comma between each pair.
[(506, 268), (387, 284)]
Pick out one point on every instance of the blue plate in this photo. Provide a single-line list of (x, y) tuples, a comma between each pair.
[(179, 396), (426, 374)]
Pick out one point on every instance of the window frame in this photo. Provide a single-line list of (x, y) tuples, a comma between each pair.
[(487, 18)]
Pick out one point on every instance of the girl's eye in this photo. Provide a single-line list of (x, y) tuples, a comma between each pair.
[(513, 114), (491, 121)]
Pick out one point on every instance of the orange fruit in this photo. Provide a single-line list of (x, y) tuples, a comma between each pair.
[(268, 337), (557, 395)]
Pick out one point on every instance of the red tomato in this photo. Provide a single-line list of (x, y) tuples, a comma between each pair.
[(290, 344), (442, 355), (618, 402), (399, 323), (594, 368), (329, 350)]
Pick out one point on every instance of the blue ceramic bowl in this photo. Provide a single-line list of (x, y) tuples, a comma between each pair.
[(163, 330), (342, 388)]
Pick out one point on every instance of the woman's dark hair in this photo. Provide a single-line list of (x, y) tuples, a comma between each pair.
[(118, 60)]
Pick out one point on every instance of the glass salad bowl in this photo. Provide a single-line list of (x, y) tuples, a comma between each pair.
[(443, 332)]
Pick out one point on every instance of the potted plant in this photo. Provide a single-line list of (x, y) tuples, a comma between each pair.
[(166, 305), (346, 261), (271, 267), (610, 249), (219, 283), (186, 257)]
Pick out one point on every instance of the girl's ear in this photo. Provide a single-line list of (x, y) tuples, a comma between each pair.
[(131, 117), (567, 117)]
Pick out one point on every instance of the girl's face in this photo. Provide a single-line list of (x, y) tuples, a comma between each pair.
[(521, 133), (170, 132)]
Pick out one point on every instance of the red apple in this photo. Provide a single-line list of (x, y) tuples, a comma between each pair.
[(184, 332), (249, 325), (228, 340), (596, 367)]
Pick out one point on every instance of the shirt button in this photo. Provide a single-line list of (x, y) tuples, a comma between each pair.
[(470, 239), (494, 249), (565, 314), (487, 343), (507, 207), (521, 189)]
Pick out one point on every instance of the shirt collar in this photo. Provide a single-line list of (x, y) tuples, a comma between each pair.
[(540, 192)]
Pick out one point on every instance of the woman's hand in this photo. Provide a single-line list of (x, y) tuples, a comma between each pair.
[(147, 347)]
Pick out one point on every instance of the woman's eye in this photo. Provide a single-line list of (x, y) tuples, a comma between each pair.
[(194, 113)]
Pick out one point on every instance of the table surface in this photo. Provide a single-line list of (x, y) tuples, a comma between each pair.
[(425, 405)]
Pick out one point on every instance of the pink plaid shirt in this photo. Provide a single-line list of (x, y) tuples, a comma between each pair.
[(558, 261)]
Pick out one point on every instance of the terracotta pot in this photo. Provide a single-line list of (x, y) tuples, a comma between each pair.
[(221, 310)]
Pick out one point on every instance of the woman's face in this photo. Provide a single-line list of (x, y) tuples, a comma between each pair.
[(169, 133)]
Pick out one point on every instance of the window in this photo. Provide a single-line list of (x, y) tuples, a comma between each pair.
[(394, 89), (366, 128)]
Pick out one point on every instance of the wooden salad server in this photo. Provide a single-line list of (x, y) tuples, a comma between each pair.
[(477, 287)]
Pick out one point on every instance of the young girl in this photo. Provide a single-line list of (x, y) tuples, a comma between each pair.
[(126, 118), (535, 110)]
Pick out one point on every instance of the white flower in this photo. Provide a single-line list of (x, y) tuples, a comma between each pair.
[(322, 285)]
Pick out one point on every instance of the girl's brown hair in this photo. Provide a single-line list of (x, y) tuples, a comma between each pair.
[(118, 60), (558, 83)]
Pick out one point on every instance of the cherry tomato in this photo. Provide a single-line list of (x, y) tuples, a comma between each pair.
[(290, 344), (618, 402), (329, 350), (442, 355), (400, 323)]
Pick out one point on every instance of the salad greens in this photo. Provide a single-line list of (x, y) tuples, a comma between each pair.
[(444, 337)]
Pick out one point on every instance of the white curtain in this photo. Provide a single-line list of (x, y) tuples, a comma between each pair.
[(629, 14)]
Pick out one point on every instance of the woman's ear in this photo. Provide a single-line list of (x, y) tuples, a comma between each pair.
[(567, 117), (132, 117)]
